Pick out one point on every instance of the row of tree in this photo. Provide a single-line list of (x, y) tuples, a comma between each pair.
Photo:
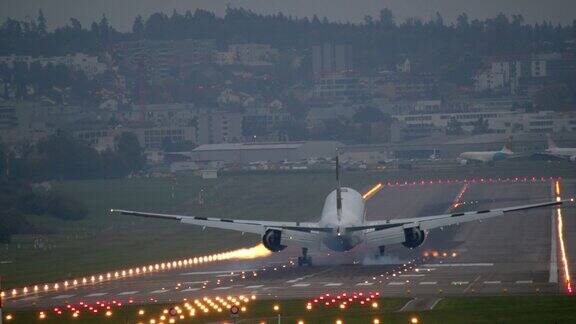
[(63, 157), (379, 39), (58, 157), (18, 199)]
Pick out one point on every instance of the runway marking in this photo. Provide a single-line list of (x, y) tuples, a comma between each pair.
[(412, 275), (190, 289), (62, 296), (459, 265), (472, 284), (97, 294), (428, 283), (223, 288), (406, 305), (255, 286), (524, 282), (333, 284), (494, 282), (29, 298), (227, 275), (195, 282), (435, 303), (460, 283), (301, 285), (307, 276), (125, 293), (397, 283), (213, 272), (365, 284), (159, 291)]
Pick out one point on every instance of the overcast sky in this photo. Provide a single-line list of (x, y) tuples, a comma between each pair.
[(121, 13)]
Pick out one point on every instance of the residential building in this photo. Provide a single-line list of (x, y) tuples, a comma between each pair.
[(252, 53), (489, 80), (330, 58), (502, 122), (399, 86), (219, 127), (260, 121), (340, 86), (89, 65), (149, 136), (224, 58), (158, 59)]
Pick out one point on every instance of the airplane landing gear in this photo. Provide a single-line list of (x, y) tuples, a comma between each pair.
[(305, 259), (382, 250)]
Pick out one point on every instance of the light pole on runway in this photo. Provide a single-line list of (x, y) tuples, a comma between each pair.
[(277, 309)]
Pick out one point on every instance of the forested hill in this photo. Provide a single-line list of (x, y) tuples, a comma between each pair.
[(378, 39)]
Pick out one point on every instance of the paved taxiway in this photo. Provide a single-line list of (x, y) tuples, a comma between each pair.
[(506, 255)]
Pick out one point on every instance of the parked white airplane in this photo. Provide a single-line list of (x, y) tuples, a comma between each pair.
[(342, 225), (560, 152), (489, 157)]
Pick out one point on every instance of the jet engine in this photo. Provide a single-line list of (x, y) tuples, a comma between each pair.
[(573, 158), (272, 240), (463, 161), (414, 237)]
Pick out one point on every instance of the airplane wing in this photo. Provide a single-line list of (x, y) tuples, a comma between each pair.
[(240, 225), (392, 231)]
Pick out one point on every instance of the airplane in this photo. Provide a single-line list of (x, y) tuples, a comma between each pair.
[(488, 157), (560, 152), (342, 225)]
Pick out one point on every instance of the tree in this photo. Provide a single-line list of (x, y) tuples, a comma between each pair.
[(481, 126), (129, 153), (386, 18), (368, 115), (454, 127), (138, 27), (75, 25), (462, 22), (556, 97), (41, 23)]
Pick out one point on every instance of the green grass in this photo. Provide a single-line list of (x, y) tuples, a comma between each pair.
[(534, 309), (104, 242)]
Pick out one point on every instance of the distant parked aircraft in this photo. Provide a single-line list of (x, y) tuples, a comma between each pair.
[(488, 157), (568, 153)]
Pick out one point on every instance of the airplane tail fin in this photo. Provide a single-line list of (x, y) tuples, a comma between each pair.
[(506, 147), (551, 143), (338, 185)]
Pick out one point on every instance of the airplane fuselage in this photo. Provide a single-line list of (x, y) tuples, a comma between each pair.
[(352, 214), (562, 152), (489, 156)]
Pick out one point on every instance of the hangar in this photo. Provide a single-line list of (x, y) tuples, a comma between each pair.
[(242, 153)]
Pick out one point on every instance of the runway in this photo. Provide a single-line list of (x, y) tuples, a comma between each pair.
[(505, 255)]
